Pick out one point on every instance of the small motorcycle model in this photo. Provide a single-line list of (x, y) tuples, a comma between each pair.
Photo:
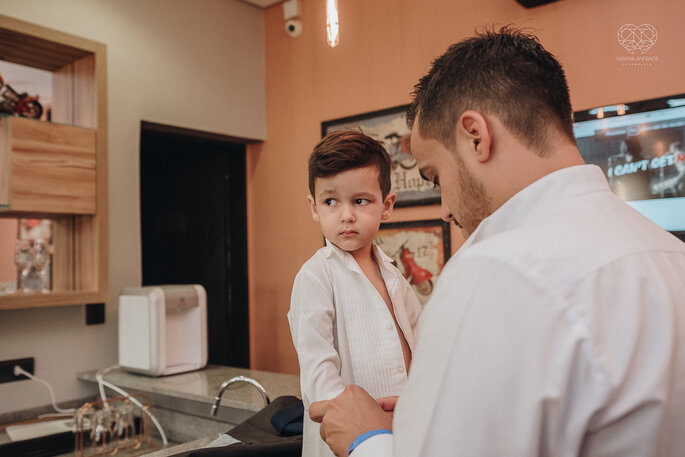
[(417, 276), (24, 105)]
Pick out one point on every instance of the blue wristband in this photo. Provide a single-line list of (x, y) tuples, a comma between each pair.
[(365, 436)]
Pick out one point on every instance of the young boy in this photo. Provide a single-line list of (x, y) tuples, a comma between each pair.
[(352, 314)]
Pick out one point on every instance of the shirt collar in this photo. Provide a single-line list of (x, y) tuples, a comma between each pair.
[(331, 249), (537, 197)]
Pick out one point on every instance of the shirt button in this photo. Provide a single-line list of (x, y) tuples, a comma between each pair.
[(400, 368), (389, 326)]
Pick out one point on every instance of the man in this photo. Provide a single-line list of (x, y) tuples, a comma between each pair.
[(558, 329)]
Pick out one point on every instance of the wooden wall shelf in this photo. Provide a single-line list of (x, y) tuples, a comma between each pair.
[(48, 168), (59, 170), (38, 300)]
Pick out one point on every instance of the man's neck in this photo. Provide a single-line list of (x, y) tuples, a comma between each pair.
[(526, 168)]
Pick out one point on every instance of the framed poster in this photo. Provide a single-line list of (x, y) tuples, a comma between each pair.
[(390, 127), (420, 250)]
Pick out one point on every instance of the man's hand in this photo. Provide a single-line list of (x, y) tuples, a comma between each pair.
[(347, 416), (387, 403)]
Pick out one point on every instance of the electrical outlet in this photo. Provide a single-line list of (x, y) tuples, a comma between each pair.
[(7, 369)]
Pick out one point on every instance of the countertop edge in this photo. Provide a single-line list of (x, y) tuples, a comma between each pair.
[(202, 385)]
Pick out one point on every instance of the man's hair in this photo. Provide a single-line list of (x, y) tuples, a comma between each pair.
[(507, 74), (344, 150)]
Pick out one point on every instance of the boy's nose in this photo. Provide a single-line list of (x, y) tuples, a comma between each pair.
[(347, 214)]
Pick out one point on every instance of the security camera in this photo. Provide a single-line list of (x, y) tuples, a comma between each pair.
[(293, 27)]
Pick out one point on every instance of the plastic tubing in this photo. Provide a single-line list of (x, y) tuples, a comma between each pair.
[(102, 384), (19, 371)]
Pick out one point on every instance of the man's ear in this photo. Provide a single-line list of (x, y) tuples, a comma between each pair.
[(388, 205), (312, 207), (474, 128)]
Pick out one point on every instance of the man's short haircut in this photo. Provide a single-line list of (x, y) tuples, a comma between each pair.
[(344, 150), (507, 74)]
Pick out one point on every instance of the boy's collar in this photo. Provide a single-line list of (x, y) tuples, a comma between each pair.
[(380, 254), (385, 263), (346, 257), (331, 249)]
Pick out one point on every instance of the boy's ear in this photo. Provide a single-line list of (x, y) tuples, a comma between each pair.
[(312, 208), (388, 205)]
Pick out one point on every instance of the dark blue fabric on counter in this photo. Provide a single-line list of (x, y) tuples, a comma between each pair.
[(259, 438), (288, 421)]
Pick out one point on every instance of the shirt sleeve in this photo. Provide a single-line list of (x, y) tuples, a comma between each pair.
[(413, 306), (500, 369), (312, 318), (376, 446)]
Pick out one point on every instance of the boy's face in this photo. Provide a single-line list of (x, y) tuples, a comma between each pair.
[(349, 207)]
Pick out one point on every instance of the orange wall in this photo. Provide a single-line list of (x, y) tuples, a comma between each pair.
[(386, 45)]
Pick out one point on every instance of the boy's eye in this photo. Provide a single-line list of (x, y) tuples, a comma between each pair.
[(361, 201), (330, 202)]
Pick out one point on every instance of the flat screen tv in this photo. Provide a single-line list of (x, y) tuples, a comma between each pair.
[(640, 146)]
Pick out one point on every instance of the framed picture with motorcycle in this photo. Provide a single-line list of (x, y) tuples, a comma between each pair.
[(390, 127), (419, 249)]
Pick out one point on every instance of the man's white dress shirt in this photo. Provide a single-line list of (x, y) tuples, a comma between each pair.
[(344, 333), (558, 329)]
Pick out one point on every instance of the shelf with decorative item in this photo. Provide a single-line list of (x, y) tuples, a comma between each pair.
[(75, 274), (58, 170)]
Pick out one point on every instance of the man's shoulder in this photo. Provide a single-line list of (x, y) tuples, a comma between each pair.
[(560, 251)]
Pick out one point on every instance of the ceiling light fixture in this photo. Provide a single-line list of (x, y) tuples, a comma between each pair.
[(332, 23)]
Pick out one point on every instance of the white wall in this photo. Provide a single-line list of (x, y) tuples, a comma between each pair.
[(196, 64)]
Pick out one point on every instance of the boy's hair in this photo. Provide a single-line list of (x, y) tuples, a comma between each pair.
[(344, 150), (507, 74)]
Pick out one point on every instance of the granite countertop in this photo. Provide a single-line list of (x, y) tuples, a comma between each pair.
[(188, 390), (203, 385), (185, 447), (182, 402)]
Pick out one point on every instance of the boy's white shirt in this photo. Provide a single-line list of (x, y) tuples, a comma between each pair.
[(344, 333)]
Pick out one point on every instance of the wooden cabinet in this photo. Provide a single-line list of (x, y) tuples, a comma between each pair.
[(58, 170), (48, 168)]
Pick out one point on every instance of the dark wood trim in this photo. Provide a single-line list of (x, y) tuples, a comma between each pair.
[(194, 134)]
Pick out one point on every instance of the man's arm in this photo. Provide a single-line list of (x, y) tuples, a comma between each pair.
[(505, 370), (503, 367), (348, 416)]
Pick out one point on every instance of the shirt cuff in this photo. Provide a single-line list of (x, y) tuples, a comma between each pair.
[(365, 436)]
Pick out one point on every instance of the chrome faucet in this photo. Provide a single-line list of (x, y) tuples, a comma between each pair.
[(225, 385)]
